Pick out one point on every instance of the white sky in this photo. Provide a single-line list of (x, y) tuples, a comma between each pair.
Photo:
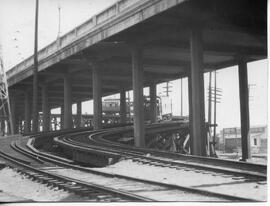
[(17, 40)]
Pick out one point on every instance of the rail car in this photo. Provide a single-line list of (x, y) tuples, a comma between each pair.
[(111, 110)]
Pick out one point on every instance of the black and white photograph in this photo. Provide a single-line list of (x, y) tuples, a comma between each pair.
[(134, 101)]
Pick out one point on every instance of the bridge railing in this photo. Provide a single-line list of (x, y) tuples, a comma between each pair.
[(74, 34)]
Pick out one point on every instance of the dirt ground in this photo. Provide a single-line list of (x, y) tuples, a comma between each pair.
[(18, 187)]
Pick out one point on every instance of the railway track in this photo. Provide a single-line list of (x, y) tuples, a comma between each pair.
[(92, 191), (96, 141), (124, 188), (142, 189), (236, 173)]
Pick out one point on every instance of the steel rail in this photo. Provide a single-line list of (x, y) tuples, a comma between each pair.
[(171, 186), (68, 183), (129, 153)]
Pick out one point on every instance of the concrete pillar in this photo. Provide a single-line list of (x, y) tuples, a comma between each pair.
[(67, 103), (244, 109), (2, 121), (45, 109), (14, 115), (79, 114), (197, 94), (97, 95), (153, 102), (2, 127), (190, 109), (62, 117), (27, 112), (123, 106), (138, 106)]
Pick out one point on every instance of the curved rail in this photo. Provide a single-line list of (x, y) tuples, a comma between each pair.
[(188, 190), (97, 142), (101, 139), (93, 191)]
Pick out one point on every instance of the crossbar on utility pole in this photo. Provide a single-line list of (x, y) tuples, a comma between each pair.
[(35, 75)]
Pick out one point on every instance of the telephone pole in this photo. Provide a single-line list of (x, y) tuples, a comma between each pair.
[(35, 74), (210, 99), (59, 22)]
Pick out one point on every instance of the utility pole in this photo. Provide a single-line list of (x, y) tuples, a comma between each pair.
[(215, 109), (35, 74), (59, 21), (217, 99), (167, 89), (214, 95), (210, 99)]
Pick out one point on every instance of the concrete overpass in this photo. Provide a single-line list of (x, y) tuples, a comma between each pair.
[(138, 43)]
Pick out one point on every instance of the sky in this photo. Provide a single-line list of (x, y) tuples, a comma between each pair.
[(17, 41)]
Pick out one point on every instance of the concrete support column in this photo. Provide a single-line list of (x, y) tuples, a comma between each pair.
[(14, 115), (45, 109), (79, 114), (244, 109), (2, 126), (190, 109), (153, 102), (198, 146), (27, 112), (62, 117), (137, 76), (123, 106), (97, 95), (67, 103)]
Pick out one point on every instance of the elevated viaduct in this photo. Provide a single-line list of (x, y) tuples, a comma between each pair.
[(139, 43)]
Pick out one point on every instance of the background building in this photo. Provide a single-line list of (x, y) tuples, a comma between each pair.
[(230, 140)]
